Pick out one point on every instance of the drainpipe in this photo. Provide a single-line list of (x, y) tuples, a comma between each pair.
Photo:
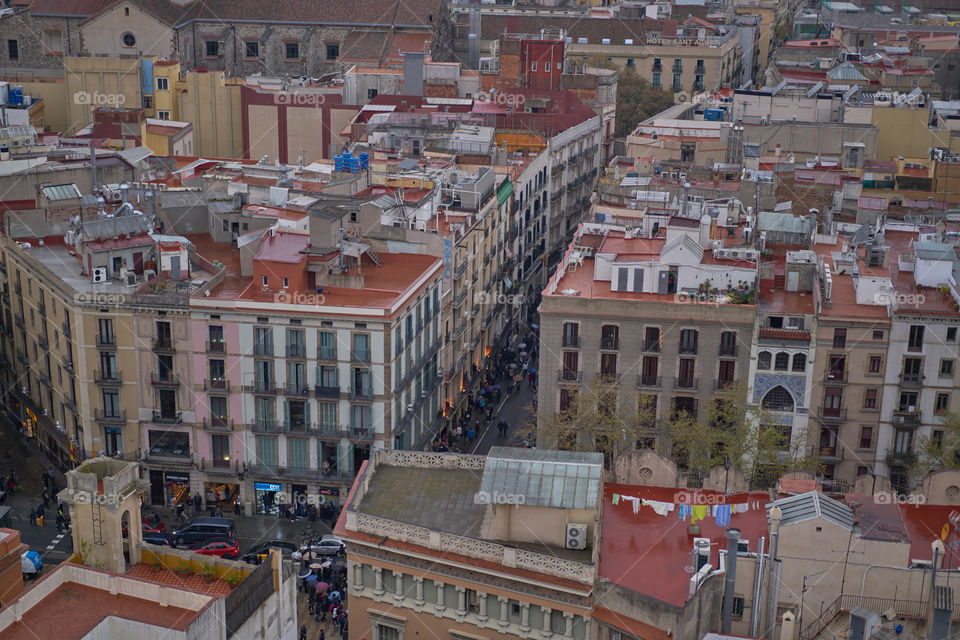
[(757, 583), (733, 536), (771, 621)]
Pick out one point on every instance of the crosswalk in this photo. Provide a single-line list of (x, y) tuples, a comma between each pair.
[(56, 540)]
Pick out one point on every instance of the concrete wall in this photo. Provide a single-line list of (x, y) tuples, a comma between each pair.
[(645, 467), (214, 109), (92, 82), (103, 36), (806, 140)]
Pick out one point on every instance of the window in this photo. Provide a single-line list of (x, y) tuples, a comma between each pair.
[(875, 365), (903, 441), (908, 401), (870, 399), (836, 368), (265, 280), (571, 334), (737, 608), (799, 362), (941, 404), (676, 82), (111, 403), (371, 94), (386, 632), (292, 50), (832, 399), (163, 84), (13, 49), (946, 368), (778, 399), (609, 336), (169, 443), (839, 338), (656, 81), (795, 323), (951, 334), (568, 399), (776, 322), (915, 340), (212, 48), (533, 66), (878, 335), (728, 343), (333, 51), (571, 365), (608, 365), (866, 437), (53, 41), (251, 49), (163, 115), (361, 347), (763, 360), (782, 361), (630, 63), (688, 341), (651, 339), (218, 409)]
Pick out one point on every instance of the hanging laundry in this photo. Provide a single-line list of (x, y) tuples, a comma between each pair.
[(741, 507), (683, 511), (661, 508), (723, 515), (633, 500), (616, 498), (697, 512)]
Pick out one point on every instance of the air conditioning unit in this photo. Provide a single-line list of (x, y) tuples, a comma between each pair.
[(99, 275), (576, 536)]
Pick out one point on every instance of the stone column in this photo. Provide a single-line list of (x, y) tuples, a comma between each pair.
[(547, 613), (418, 581), (525, 617), (482, 601), (461, 602), (358, 576), (398, 586), (441, 603), (378, 581), (504, 612), (568, 627)]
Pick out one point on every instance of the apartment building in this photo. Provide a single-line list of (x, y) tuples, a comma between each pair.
[(683, 303), (310, 356), (430, 553)]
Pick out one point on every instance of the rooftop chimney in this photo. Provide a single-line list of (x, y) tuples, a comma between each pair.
[(733, 537)]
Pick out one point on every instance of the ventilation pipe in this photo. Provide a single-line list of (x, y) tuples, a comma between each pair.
[(93, 169), (771, 618), (733, 538), (686, 196)]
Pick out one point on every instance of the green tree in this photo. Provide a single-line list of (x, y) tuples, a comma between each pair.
[(592, 422), (637, 100), (938, 451)]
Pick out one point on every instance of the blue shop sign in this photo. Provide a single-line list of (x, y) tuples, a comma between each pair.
[(266, 486)]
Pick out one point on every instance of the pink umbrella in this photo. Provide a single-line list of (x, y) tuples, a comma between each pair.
[(321, 586)]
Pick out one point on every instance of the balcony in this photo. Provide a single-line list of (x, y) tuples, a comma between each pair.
[(688, 384), (914, 347), (832, 453), (216, 346), (460, 268), (720, 385), (22, 358), (459, 330), (264, 349), (165, 417), (42, 343), (459, 299), (906, 417), (165, 379), (218, 424), (571, 342), (558, 168), (297, 426), (216, 384), (677, 67), (835, 377), (650, 382), (327, 392), (697, 87), (610, 344), (113, 417), (298, 351), (329, 430), (569, 375), (360, 356), (911, 381), (163, 345), (70, 405), (326, 353), (112, 376), (298, 390), (728, 350), (360, 433), (266, 425), (106, 340), (361, 393), (828, 414), (69, 367), (264, 388), (65, 328), (46, 381), (651, 346), (688, 348), (18, 320), (42, 310)]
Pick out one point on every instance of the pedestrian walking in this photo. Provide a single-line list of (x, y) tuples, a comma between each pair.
[(197, 502), (322, 636), (45, 496), (40, 513), (46, 478), (180, 514), (59, 523), (303, 632), (33, 517)]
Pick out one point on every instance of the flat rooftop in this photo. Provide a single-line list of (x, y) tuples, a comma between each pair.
[(71, 611), (648, 553)]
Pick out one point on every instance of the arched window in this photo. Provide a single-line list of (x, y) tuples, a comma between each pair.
[(778, 399), (782, 361), (763, 360), (800, 362)]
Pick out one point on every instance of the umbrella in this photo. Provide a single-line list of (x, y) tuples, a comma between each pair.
[(518, 377), (325, 564), (30, 562), (491, 387), (534, 326), (533, 370), (522, 345), (322, 586), (523, 354), (497, 387), (311, 578), (305, 574), (334, 594), (316, 565), (513, 365)]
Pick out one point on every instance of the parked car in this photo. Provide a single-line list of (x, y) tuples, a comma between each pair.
[(30, 564), (160, 538), (203, 529), (146, 526), (222, 547), (328, 545), (259, 551)]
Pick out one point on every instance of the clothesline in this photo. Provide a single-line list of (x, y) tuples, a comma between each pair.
[(720, 512)]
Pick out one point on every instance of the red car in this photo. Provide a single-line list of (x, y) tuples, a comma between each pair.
[(146, 526), (223, 547)]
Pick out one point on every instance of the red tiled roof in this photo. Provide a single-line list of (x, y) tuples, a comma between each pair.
[(631, 626)]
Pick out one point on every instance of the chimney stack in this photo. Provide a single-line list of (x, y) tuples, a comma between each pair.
[(733, 538)]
